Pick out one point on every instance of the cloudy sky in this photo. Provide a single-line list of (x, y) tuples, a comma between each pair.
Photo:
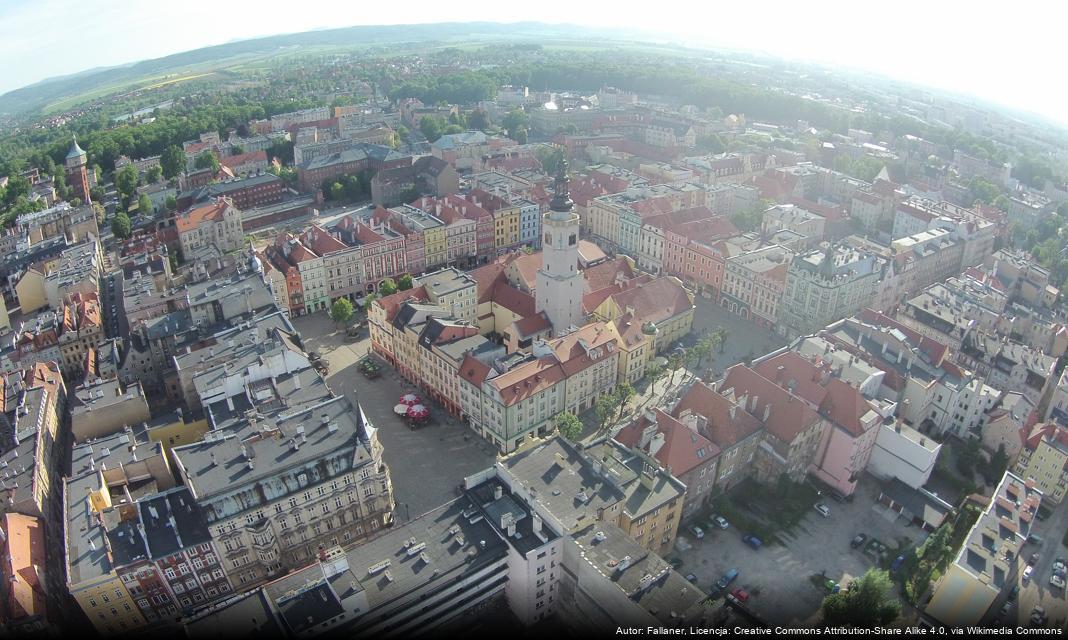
[(1012, 53)]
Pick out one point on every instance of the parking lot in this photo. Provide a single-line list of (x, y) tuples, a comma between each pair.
[(778, 577), (427, 463)]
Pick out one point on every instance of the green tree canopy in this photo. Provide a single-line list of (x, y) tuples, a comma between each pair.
[(623, 393), (515, 120), (605, 408), (405, 282), (144, 205), (341, 311), (869, 601), (171, 203), (431, 127), (389, 287), (120, 225), (172, 161), (154, 174), (478, 119), (568, 425), (126, 180), (206, 160)]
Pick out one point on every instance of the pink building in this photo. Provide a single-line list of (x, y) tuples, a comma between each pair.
[(853, 422)]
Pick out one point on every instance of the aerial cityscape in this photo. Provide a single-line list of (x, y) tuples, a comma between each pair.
[(525, 328)]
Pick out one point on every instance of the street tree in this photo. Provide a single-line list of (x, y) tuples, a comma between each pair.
[(126, 180), (604, 409), (405, 282), (388, 288), (120, 225), (868, 602), (154, 174), (144, 204), (568, 424), (624, 392), (341, 311), (172, 161), (369, 301)]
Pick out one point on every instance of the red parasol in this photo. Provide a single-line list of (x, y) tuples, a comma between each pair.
[(410, 399), (418, 411)]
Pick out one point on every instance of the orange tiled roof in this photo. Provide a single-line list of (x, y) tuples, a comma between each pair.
[(25, 555), (211, 212)]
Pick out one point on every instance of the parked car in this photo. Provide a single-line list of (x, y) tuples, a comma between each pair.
[(822, 508), (727, 579), (1033, 559), (740, 594), (1059, 567), (691, 577), (1005, 609), (895, 566), (1034, 539), (718, 522), (859, 540), (1027, 573), (752, 541), (697, 532), (1056, 581), (675, 563), (1015, 591)]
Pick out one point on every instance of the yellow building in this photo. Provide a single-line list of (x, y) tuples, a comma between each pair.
[(1044, 459), (30, 291), (435, 246), (661, 309), (175, 433), (636, 348)]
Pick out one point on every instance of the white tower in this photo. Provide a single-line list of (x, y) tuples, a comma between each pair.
[(560, 285)]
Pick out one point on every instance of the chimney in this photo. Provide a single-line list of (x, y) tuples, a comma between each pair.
[(497, 492), (778, 373), (767, 412)]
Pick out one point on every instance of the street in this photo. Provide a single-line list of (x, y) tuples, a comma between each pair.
[(427, 463), (744, 339)]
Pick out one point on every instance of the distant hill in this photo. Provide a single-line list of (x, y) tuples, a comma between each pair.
[(37, 96)]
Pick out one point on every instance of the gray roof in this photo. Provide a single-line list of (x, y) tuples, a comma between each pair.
[(248, 615), (218, 464), (103, 393), (87, 554), (172, 521), (646, 578), (454, 548), (564, 480)]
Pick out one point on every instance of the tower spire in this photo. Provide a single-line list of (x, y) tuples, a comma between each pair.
[(561, 201)]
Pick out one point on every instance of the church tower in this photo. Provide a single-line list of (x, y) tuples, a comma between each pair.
[(559, 283), (77, 173)]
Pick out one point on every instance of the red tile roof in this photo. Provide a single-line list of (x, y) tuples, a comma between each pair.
[(784, 415), (392, 303), (654, 301), (193, 218), (728, 423), (572, 353), (527, 379), (682, 443), (532, 325), (320, 241), (24, 555)]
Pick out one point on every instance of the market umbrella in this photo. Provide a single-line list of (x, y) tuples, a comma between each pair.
[(418, 411), (409, 399), (401, 409)]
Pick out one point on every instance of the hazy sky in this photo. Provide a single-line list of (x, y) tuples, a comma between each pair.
[(1013, 53)]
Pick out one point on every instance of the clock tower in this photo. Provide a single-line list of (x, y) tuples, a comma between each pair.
[(77, 173), (560, 285)]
